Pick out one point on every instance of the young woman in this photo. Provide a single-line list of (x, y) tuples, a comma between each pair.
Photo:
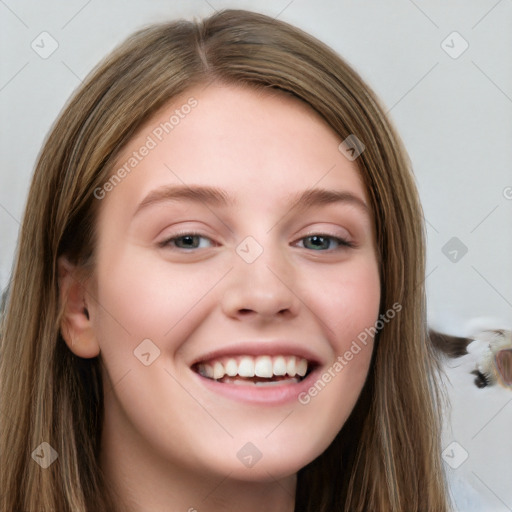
[(218, 296)]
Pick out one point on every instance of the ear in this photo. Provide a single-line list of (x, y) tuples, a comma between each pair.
[(76, 326), (504, 364)]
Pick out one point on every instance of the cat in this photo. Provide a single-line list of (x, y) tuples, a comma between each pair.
[(494, 365)]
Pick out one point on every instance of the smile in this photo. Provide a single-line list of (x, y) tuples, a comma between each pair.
[(262, 370)]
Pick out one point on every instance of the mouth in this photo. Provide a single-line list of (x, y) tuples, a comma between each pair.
[(260, 371)]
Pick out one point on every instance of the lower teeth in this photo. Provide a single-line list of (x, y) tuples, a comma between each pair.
[(262, 383), (277, 382)]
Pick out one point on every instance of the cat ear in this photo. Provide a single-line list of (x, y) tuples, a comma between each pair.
[(503, 360)]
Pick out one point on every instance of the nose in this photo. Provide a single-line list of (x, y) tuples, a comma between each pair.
[(263, 290)]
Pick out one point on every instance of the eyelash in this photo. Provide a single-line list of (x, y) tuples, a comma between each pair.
[(343, 243)]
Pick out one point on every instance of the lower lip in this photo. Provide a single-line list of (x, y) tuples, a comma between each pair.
[(271, 395)]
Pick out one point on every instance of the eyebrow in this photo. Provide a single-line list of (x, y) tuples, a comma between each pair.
[(212, 196), (320, 197)]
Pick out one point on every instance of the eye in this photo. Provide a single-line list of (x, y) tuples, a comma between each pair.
[(187, 241), (320, 242)]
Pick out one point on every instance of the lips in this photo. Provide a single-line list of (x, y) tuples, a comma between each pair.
[(265, 363)]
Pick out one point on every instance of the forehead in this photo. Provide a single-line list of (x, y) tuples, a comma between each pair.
[(253, 143)]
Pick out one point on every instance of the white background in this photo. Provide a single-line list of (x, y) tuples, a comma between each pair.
[(454, 115)]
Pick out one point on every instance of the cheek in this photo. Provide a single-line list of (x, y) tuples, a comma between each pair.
[(141, 297), (348, 308), (346, 299)]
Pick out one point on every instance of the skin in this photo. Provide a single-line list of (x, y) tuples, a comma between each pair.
[(169, 443)]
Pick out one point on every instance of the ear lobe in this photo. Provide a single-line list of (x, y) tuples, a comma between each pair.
[(76, 326)]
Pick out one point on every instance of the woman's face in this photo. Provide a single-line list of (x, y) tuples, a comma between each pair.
[(238, 240)]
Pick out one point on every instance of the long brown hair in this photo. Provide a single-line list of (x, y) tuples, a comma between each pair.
[(387, 455)]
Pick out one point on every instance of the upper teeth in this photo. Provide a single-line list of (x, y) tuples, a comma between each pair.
[(249, 366)]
